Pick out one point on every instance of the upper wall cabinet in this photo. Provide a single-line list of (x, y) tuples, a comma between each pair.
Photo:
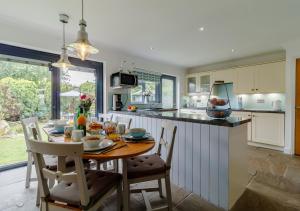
[(265, 78), (228, 76), (198, 82)]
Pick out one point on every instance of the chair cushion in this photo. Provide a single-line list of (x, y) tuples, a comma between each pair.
[(98, 182), (145, 165)]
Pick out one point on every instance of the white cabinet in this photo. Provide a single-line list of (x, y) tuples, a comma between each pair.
[(270, 77), (204, 82), (265, 78), (247, 115), (228, 76), (268, 128), (245, 80), (192, 83)]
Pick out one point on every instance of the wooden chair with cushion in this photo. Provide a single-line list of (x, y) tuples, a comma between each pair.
[(78, 190), (152, 167)]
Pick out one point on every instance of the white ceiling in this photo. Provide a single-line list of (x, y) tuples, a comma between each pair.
[(169, 26)]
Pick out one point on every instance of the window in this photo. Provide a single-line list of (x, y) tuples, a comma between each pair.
[(148, 89), (168, 89)]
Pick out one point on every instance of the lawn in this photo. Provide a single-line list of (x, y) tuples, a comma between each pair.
[(12, 150)]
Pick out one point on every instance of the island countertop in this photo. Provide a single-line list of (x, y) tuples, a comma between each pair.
[(194, 118)]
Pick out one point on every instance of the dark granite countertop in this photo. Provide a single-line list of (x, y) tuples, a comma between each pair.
[(247, 110), (195, 118)]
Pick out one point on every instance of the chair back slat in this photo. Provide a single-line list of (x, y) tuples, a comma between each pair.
[(167, 128), (31, 129), (124, 120), (105, 117), (62, 150)]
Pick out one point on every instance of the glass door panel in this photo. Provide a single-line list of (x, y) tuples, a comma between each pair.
[(168, 88), (25, 91), (75, 82)]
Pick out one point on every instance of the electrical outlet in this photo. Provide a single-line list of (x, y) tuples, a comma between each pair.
[(260, 101)]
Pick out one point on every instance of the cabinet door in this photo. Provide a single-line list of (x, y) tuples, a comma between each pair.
[(249, 125), (228, 76), (204, 82), (192, 83), (270, 78), (268, 128), (244, 80)]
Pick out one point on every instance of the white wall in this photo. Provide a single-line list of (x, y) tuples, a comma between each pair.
[(15, 34)]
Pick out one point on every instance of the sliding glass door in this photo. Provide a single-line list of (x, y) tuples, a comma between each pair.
[(73, 83), (25, 91)]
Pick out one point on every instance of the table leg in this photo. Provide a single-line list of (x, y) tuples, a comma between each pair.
[(126, 192)]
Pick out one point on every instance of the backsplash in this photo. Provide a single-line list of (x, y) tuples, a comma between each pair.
[(249, 101)]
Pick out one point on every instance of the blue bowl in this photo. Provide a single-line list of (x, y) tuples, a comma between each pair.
[(137, 134)]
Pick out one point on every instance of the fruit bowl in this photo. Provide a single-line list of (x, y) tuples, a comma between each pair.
[(132, 108), (218, 113)]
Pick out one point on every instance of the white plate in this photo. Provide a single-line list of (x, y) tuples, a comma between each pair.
[(103, 145)]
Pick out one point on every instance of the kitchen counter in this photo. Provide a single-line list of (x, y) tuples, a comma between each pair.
[(193, 118), (245, 110)]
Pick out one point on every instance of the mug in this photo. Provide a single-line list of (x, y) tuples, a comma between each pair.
[(77, 135), (121, 128), (68, 131)]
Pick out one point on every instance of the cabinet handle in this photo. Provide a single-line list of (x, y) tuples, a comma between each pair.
[(256, 89), (253, 115)]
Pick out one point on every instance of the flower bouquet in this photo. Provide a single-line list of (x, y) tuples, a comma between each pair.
[(86, 102)]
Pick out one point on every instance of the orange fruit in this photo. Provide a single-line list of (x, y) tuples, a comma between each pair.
[(81, 120)]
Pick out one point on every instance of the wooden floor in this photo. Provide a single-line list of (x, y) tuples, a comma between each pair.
[(274, 184)]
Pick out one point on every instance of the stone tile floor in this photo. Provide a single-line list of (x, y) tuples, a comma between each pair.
[(274, 185)]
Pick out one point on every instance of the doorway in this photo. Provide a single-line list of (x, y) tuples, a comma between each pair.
[(168, 91)]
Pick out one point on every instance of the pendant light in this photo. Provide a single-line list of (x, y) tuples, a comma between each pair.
[(82, 46), (63, 63)]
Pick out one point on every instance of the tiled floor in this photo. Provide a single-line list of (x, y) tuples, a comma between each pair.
[(275, 185)]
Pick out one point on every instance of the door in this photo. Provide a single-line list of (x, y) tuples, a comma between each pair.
[(297, 109), (168, 91), (268, 128), (245, 80)]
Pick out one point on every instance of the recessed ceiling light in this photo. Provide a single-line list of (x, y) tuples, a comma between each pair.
[(232, 50), (151, 48), (201, 29)]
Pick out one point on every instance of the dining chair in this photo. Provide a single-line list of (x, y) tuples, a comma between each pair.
[(152, 167), (78, 190), (105, 117), (124, 120)]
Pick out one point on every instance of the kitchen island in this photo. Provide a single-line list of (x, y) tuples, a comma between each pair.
[(210, 155)]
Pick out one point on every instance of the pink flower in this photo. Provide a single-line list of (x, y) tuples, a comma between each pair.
[(82, 97)]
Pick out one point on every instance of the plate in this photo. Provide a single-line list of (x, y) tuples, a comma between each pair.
[(145, 137), (103, 145)]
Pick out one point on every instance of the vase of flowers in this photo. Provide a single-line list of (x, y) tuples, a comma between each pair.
[(83, 110)]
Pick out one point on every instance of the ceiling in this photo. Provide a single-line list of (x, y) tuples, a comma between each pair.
[(168, 30)]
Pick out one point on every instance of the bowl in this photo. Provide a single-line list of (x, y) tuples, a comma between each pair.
[(137, 132), (59, 125), (92, 141)]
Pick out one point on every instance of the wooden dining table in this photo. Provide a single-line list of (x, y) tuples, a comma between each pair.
[(122, 150)]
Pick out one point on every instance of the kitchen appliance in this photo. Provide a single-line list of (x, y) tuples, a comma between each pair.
[(123, 80), (276, 104), (117, 104)]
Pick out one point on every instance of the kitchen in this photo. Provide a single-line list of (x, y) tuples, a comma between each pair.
[(224, 76)]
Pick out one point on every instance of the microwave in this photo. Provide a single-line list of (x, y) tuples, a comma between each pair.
[(123, 80)]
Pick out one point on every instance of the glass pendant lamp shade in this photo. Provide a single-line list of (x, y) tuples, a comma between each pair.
[(82, 45), (63, 62)]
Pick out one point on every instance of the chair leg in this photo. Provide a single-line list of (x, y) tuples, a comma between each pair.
[(38, 200), (160, 188), (119, 197), (104, 166), (168, 191), (28, 171), (98, 163), (126, 186), (116, 165)]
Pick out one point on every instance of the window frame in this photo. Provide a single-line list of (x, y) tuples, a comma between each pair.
[(15, 51), (157, 94)]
